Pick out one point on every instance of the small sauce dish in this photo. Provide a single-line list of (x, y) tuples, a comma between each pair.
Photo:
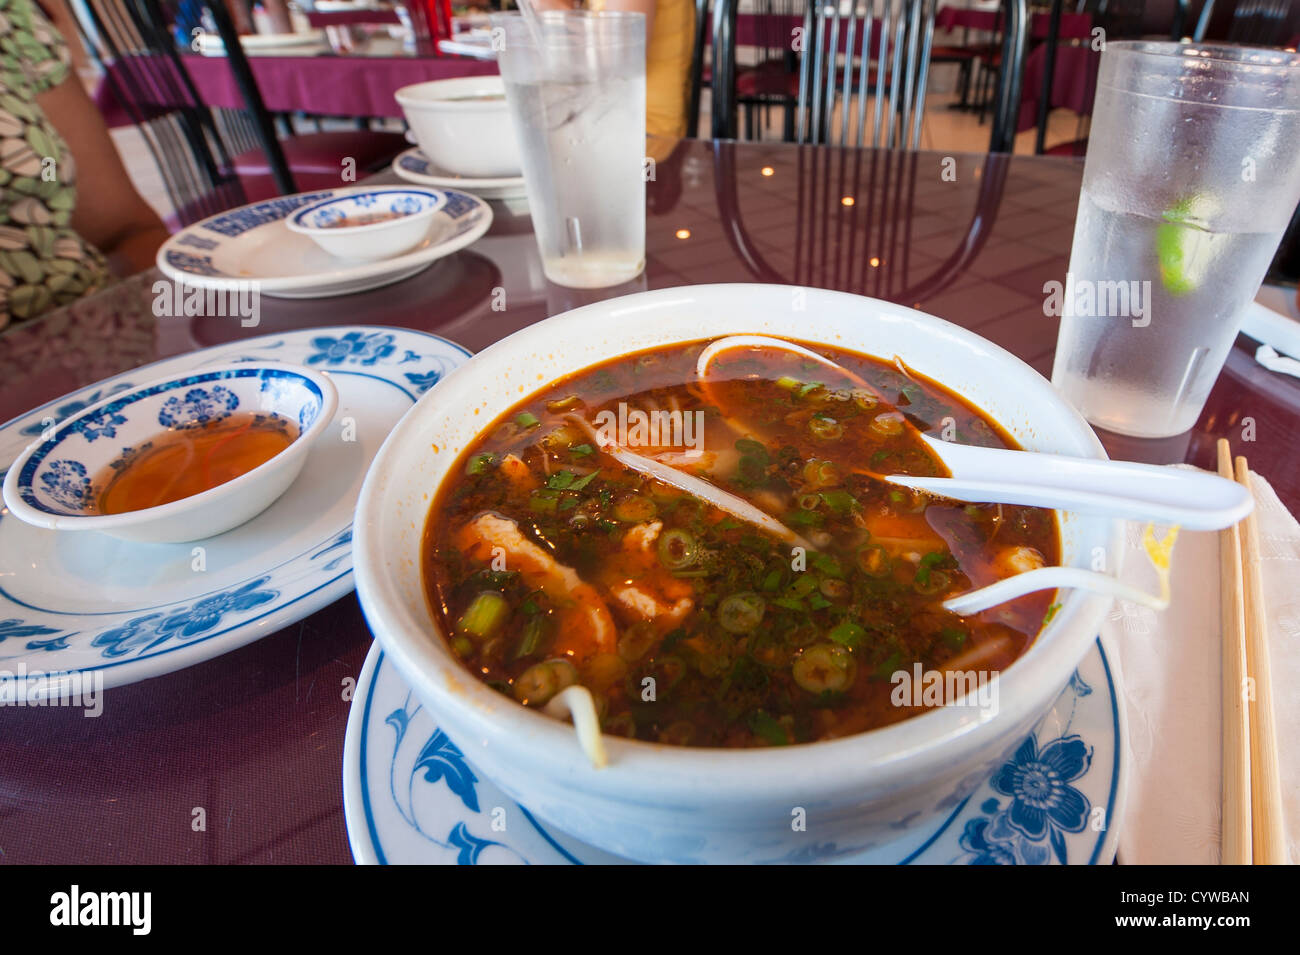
[(367, 225), (214, 447)]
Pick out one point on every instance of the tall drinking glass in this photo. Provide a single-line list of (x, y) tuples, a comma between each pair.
[(575, 83), (1192, 174)]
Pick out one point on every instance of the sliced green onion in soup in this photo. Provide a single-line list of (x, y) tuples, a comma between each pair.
[(741, 613), (819, 473), (480, 463), (889, 424), (678, 549), (486, 613), (847, 633), (534, 635), (541, 681), (825, 668), (828, 429)]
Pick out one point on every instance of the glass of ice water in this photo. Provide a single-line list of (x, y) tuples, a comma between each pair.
[(1192, 174), (575, 83)]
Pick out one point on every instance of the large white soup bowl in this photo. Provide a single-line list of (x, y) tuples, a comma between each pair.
[(660, 803)]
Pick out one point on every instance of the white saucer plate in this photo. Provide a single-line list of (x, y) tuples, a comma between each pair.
[(211, 44), (253, 244), (76, 604), (476, 42), (414, 166), (410, 796)]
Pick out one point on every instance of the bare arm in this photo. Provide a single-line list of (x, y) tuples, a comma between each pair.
[(109, 213)]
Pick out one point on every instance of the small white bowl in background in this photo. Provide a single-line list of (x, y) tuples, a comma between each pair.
[(463, 125), (51, 483), (329, 222)]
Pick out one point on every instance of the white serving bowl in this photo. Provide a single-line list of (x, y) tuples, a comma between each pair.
[(51, 482), (660, 803), (468, 137), (413, 207)]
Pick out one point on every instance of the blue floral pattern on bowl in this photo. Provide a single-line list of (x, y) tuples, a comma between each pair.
[(227, 252), (410, 795), (401, 202), (68, 484), (57, 478), (416, 162), (65, 411), (254, 594), (141, 634), (1043, 807), (365, 348), (199, 407)]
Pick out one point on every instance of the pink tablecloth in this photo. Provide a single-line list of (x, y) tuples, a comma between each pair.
[(343, 18), (1074, 82), (324, 85), (1074, 26)]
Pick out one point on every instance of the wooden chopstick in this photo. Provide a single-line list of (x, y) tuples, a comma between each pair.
[(1235, 824), (1268, 838)]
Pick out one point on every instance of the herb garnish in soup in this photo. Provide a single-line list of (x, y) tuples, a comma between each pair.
[(712, 554)]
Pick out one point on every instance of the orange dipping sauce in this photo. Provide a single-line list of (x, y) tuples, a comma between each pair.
[(180, 463)]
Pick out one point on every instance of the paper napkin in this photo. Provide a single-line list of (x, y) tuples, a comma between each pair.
[(1170, 664)]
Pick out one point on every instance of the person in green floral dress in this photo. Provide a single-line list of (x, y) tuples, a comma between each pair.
[(54, 147)]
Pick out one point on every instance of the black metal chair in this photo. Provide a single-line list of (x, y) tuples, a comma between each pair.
[(1119, 19), (262, 121), (308, 161), (1261, 22), (146, 78), (868, 53), (696, 80), (773, 78)]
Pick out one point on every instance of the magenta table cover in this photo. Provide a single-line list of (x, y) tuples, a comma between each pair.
[(1074, 82), (1074, 26), (325, 85)]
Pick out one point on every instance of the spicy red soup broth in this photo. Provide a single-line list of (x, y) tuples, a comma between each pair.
[(547, 562)]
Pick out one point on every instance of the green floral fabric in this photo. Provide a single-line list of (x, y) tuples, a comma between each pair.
[(44, 264)]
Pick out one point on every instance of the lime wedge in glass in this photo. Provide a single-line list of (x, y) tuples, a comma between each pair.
[(1183, 246)]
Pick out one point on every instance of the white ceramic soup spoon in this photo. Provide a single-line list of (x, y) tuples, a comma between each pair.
[(1196, 500), (1182, 498), (1144, 492)]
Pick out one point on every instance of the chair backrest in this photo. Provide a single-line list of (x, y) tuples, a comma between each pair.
[(1262, 22), (769, 31), (864, 67), (148, 81), (263, 123), (695, 82)]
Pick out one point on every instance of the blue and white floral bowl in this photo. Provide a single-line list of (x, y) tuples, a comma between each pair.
[(326, 223), (51, 484)]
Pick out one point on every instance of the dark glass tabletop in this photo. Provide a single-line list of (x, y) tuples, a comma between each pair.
[(255, 738)]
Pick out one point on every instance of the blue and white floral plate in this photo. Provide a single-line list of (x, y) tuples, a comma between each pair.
[(410, 796), (253, 244), (414, 166), (77, 604)]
